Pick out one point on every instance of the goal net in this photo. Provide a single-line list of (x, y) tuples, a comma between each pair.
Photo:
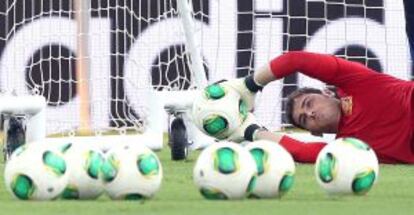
[(97, 66)]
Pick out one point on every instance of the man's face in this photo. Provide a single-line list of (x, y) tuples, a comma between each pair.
[(318, 113)]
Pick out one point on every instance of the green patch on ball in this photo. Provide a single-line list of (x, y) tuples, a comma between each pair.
[(70, 192), (286, 183), (226, 160), (54, 162), (65, 147), (212, 194), (93, 163), (214, 91), (260, 157), (363, 182), (133, 197), (243, 109), (359, 144), (215, 125), (109, 169), (148, 165), (327, 168), (23, 187), (252, 184)]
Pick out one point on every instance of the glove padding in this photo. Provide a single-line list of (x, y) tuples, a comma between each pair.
[(246, 130), (246, 94)]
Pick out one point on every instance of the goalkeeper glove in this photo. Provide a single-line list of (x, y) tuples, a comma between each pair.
[(246, 87), (247, 130)]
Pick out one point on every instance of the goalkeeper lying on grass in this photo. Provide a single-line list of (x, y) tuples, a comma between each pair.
[(374, 107)]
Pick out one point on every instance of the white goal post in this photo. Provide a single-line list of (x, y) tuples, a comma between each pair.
[(138, 53)]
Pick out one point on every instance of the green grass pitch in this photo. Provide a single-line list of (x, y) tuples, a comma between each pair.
[(393, 194)]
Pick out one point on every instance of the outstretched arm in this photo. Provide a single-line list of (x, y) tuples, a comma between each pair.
[(300, 151), (347, 75), (320, 66)]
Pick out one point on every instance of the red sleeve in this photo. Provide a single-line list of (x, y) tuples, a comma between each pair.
[(327, 68), (319, 66), (300, 151)]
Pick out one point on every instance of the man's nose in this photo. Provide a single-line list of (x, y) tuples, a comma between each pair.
[(310, 113)]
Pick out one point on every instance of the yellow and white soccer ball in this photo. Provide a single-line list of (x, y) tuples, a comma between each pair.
[(219, 111), (275, 167), (347, 166), (131, 172), (36, 172), (84, 163), (225, 170)]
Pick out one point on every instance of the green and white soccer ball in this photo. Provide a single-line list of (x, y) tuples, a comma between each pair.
[(84, 164), (275, 167), (347, 166), (131, 172), (219, 111), (225, 170), (36, 172)]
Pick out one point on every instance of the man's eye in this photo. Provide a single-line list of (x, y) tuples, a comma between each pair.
[(304, 120)]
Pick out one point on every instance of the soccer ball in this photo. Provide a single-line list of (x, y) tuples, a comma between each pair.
[(346, 166), (275, 167), (219, 111), (131, 172), (84, 164), (225, 170), (36, 172)]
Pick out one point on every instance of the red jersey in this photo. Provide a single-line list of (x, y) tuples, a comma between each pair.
[(376, 108)]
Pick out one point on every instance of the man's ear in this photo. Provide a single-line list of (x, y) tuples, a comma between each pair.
[(319, 134), (328, 92)]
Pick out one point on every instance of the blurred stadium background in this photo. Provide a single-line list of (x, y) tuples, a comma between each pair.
[(96, 67), (96, 62)]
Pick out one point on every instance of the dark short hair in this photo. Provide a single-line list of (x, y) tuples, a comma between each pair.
[(290, 102)]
